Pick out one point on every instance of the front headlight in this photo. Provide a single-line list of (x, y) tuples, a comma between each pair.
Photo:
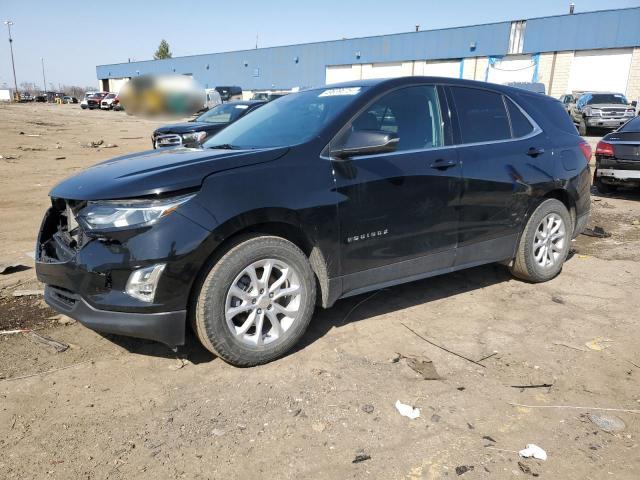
[(630, 113), (595, 112), (110, 214), (194, 137)]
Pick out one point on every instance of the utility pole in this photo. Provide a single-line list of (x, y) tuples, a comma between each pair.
[(44, 79), (8, 23)]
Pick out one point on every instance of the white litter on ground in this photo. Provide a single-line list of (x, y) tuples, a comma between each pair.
[(407, 410), (533, 451)]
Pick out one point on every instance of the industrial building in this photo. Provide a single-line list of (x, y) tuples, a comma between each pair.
[(582, 51)]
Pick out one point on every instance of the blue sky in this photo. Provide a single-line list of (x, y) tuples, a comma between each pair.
[(75, 36)]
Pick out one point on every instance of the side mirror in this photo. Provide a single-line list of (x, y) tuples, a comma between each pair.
[(634, 103), (367, 142)]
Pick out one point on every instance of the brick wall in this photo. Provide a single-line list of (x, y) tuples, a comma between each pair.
[(633, 85)]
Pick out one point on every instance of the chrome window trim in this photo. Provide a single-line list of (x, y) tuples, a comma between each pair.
[(537, 130)]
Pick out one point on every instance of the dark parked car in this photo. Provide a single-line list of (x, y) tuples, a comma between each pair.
[(228, 94), (195, 132), (618, 158), (319, 195)]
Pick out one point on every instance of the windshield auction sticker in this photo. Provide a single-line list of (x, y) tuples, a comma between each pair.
[(335, 92)]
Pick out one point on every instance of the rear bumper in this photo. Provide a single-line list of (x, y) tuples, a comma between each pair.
[(164, 327), (617, 174)]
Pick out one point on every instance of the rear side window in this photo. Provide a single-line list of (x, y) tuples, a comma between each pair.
[(482, 115), (520, 126)]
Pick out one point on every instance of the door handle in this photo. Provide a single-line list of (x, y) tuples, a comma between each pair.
[(535, 151), (442, 164)]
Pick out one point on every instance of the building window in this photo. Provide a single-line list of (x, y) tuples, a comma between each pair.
[(516, 36)]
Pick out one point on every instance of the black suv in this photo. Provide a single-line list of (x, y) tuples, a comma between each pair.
[(319, 195)]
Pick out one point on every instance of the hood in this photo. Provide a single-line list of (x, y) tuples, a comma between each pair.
[(187, 127), (156, 171)]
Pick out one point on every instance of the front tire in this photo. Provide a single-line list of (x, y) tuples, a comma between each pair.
[(256, 301), (583, 129), (544, 243)]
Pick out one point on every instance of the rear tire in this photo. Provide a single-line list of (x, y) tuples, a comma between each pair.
[(256, 301), (544, 243)]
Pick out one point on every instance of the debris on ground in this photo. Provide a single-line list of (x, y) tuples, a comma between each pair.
[(12, 267), (598, 344), (422, 366), (609, 424), (539, 385), (13, 332), (435, 418), (182, 362), (597, 232), (635, 222), (367, 408), (395, 359), (63, 319), (407, 410), (462, 469), (31, 149), (557, 299), (441, 347), (568, 345), (489, 438), (93, 144), (60, 158), (361, 456), (534, 451), (50, 342), (28, 293), (526, 469)]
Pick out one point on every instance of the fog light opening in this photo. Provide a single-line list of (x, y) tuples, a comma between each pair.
[(142, 283)]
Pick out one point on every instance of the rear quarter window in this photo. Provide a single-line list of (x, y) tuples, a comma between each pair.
[(548, 112), (482, 115), (520, 126)]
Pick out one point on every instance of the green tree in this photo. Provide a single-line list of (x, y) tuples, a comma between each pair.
[(162, 51)]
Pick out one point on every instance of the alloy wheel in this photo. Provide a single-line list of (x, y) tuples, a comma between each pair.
[(263, 302)]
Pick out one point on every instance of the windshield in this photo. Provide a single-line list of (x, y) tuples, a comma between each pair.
[(289, 120), (599, 98), (225, 113)]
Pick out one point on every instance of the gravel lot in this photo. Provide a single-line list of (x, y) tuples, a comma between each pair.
[(124, 408)]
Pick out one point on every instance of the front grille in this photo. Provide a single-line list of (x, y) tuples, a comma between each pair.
[(612, 112), (170, 140)]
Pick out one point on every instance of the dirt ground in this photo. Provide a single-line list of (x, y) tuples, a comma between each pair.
[(112, 407)]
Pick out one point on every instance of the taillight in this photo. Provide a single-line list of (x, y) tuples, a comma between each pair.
[(605, 149), (586, 150)]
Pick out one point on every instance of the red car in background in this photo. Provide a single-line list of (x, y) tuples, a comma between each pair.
[(94, 100)]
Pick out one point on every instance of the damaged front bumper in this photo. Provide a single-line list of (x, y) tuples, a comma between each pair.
[(86, 278)]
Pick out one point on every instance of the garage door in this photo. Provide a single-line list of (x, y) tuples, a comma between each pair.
[(449, 69), (341, 73), (600, 70), (382, 70), (513, 68)]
